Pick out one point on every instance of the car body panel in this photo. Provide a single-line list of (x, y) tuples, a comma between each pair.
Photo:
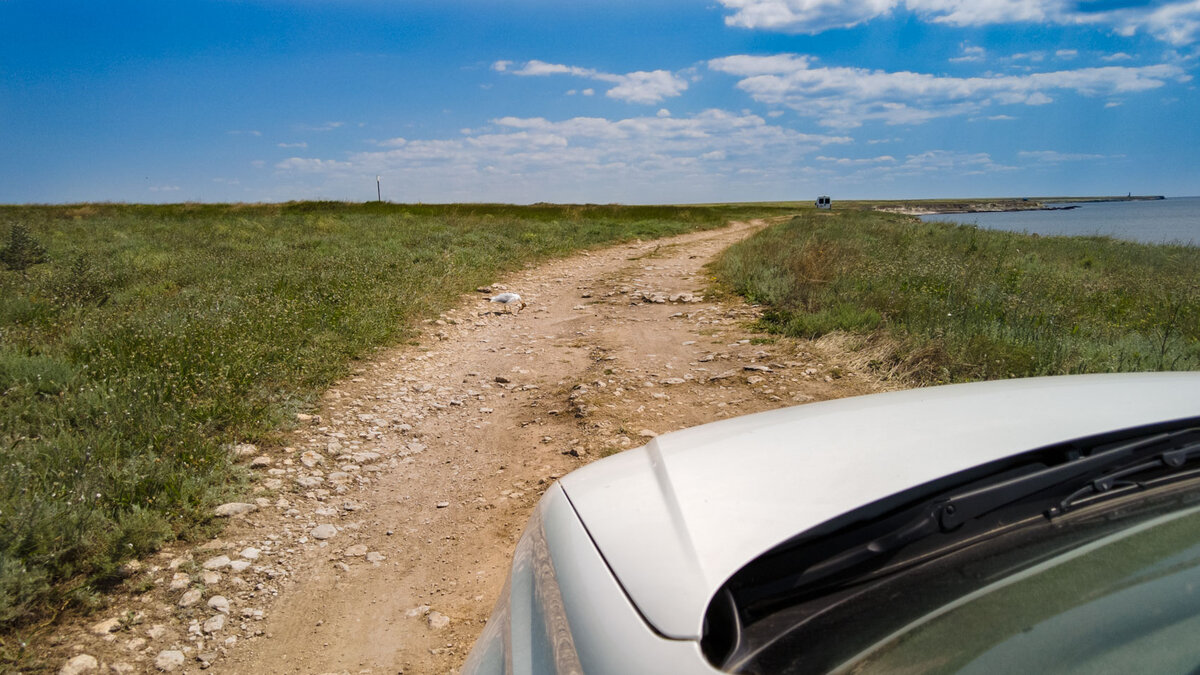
[(563, 612), (674, 519)]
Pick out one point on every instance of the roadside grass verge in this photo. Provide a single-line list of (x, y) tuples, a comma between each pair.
[(940, 302), (156, 335)]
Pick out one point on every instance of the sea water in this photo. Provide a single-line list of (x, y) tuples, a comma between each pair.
[(1162, 221)]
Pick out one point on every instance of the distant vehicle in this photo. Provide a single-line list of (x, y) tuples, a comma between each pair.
[(824, 203), (1040, 525)]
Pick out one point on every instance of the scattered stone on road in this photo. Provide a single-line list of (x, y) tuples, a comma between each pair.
[(324, 532), (169, 660)]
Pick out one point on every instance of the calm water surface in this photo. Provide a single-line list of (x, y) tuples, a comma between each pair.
[(1175, 220)]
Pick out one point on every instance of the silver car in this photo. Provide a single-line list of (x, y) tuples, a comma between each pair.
[(1048, 524)]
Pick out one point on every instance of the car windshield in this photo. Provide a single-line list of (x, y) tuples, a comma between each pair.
[(1125, 603)]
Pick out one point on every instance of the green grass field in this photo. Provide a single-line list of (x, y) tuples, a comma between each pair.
[(155, 335), (943, 302)]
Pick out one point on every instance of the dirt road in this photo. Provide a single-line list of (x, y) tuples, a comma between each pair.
[(382, 533)]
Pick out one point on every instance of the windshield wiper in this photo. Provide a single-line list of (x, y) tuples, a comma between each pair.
[(1170, 460), (1103, 470), (1176, 448)]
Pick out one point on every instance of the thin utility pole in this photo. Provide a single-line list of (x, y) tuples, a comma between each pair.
[(378, 190)]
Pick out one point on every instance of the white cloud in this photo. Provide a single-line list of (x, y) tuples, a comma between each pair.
[(244, 132), (1000, 118), (307, 165), (1067, 53), (637, 87), (804, 16), (1035, 57), (328, 126), (300, 144), (1173, 21), (1054, 157), (843, 97), (647, 87), (1118, 56), (947, 162), (164, 188), (921, 167), (663, 112), (588, 92), (861, 161), (645, 158), (970, 54), (1112, 104)]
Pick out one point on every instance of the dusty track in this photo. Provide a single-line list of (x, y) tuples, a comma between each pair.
[(428, 461)]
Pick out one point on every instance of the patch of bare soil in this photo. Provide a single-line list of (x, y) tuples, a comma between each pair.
[(381, 535)]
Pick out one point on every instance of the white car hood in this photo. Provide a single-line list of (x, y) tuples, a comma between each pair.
[(676, 518)]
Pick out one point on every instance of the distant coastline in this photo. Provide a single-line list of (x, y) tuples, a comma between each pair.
[(937, 207)]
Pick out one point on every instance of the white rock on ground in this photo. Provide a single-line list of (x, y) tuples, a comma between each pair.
[(219, 603), (105, 627), (84, 663), (214, 623), (190, 598), (234, 509), (324, 531), (168, 660), (438, 621)]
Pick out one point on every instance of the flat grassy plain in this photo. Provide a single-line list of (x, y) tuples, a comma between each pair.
[(155, 336), (939, 302)]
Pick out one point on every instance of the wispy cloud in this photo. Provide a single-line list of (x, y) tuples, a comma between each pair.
[(244, 132), (164, 188), (300, 144), (949, 162), (844, 97), (648, 158), (1055, 157), (970, 54), (310, 165), (636, 87), (858, 161), (327, 126), (1176, 22)]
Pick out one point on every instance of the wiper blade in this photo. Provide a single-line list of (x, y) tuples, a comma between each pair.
[(1173, 450), (957, 509), (1169, 460)]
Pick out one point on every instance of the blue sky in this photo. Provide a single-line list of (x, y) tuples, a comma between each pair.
[(596, 101)]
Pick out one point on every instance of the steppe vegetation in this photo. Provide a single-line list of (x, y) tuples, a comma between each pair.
[(137, 343), (940, 302)]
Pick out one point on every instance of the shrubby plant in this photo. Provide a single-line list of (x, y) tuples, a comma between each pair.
[(22, 251)]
